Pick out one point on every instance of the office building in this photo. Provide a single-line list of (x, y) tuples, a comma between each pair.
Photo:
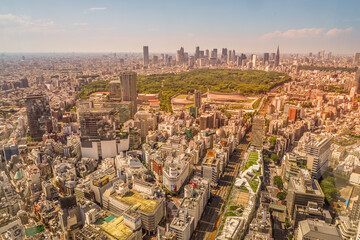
[(175, 173), (95, 122), (24, 82), (155, 60), (355, 210), (196, 196), (356, 59), (214, 53), (224, 54), (253, 59), (10, 150), (317, 150), (207, 121), (180, 56), (348, 229), (11, 227), (197, 52), (258, 131), (211, 169), (277, 57), (128, 85), (294, 113), (311, 211), (302, 190), (229, 56), (115, 90), (39, 116), (146, 55), (197, 99), (357, 82), (182, 225), (69, 214), (266, 58), (147, 201)]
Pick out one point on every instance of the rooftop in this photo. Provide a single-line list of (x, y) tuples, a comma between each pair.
[(299, 186), (210, 161), (319, 230), (115, 228), (136, 200)]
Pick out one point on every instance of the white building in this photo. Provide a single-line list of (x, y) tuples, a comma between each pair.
[(182, 225), (175, 172)]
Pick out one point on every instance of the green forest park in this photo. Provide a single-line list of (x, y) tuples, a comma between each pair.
[(247, 82)]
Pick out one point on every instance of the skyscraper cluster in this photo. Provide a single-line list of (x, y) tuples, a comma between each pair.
[(203, 58)]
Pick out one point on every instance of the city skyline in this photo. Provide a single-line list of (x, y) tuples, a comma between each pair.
[(105, 26)]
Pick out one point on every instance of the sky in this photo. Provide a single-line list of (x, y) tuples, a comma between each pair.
[(297, 26)]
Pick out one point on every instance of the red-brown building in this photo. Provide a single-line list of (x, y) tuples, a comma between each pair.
[(158, 168), (294, 114)]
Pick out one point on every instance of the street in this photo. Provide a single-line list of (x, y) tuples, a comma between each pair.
[(211, 217)]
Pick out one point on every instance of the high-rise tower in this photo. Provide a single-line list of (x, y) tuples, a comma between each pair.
[(356, 59), (258, 131), (146, 55), (266, 58), (39, 115), (357, 82), (197, 99), (224, 54), (197, 53), (277, 57), (128, 86)]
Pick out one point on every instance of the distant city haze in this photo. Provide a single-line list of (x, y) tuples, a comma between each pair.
[(125, 26)]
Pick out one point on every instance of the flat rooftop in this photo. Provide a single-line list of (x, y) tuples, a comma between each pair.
[(299, 187), (135, 200), (319, 230), (210, 161), (115, 228)]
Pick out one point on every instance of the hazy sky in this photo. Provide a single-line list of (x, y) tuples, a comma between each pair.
[(298, 26)]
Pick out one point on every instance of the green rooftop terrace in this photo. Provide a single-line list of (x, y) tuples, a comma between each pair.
[(252, 159)]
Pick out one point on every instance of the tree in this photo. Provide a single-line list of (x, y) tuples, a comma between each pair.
[(275, 158), (272, 141), (281, 195), (266, 159), (220, 80), (278, 182), (329, 189), (287, 222)]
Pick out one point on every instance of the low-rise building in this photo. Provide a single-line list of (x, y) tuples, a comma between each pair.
[(317, 230)]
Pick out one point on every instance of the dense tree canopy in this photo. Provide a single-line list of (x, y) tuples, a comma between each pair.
[(96, 86), (275, 158), (281, 195), (329, 189), (343, 69), (220, 80), (272, 141), (278, 182)]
